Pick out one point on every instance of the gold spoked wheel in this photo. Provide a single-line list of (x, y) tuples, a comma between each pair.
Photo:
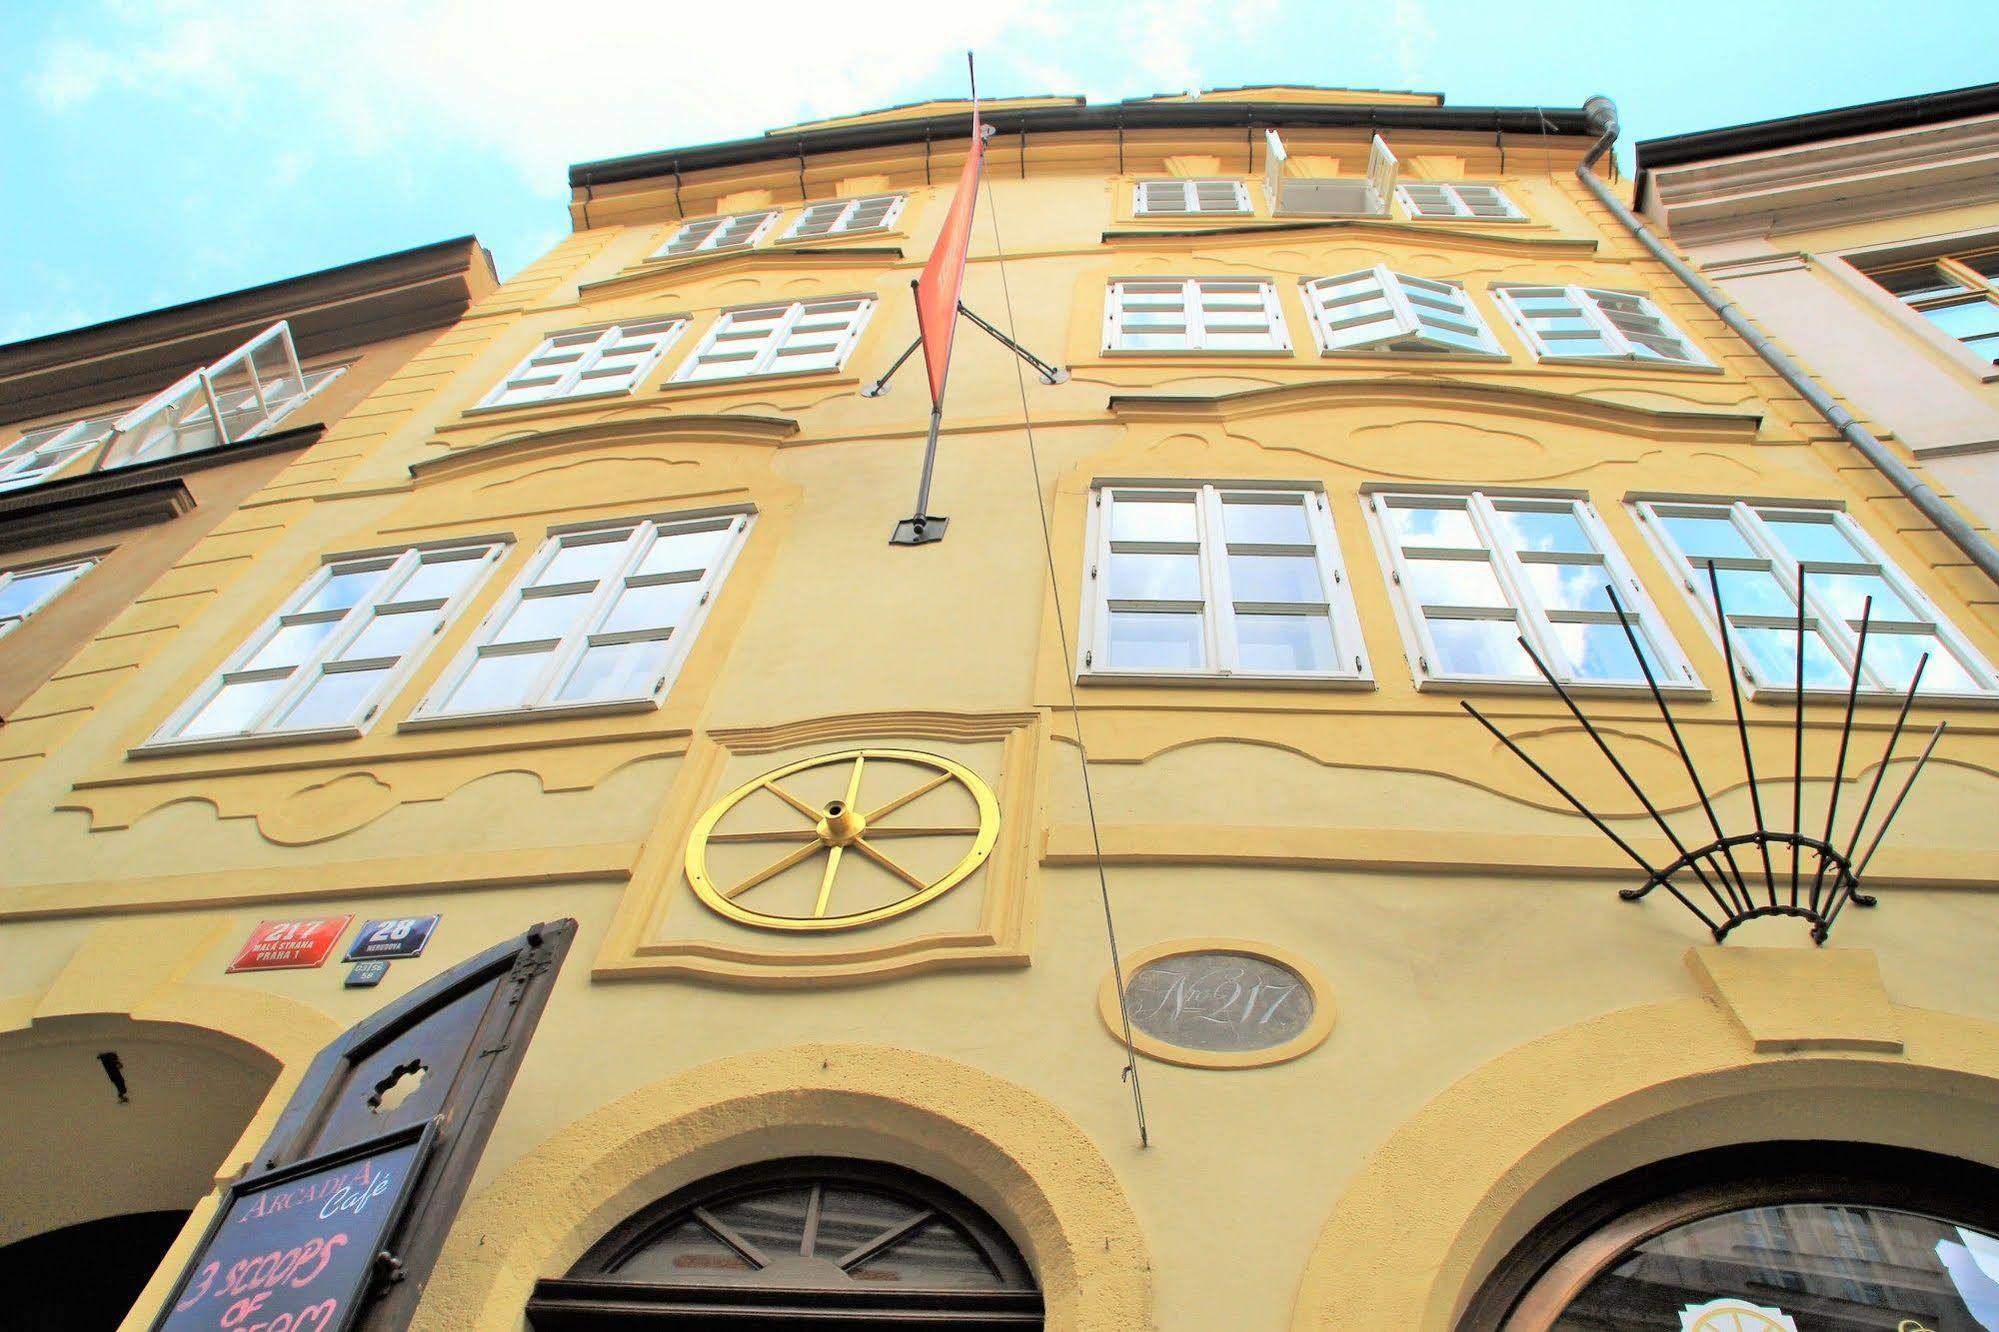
[(831, 829)]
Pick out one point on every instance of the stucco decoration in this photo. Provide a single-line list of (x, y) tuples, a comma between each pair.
[(326, 809), (1006, 1149), (663, 928), (1471, 1173)]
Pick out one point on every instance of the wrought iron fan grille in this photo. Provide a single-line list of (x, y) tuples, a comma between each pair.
[(1710, 879)]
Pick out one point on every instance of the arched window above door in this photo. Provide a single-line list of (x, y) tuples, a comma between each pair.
[(801, 1243)]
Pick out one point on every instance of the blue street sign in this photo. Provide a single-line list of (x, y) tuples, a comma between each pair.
[(403, 936), (363, 974)]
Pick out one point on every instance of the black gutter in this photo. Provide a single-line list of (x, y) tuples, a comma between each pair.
[(1073, 119), (1844, 122)]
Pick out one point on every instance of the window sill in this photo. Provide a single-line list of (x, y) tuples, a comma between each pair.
[(546, 404), (734, 383), (1175, 353), (1154, 679), (263, 740), (1876, 698), (1436, 684), (1421, 358), (1621, 363), (458, 720)]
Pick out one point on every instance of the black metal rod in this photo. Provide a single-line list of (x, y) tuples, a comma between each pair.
[(1591, 815), (1049, 373), (1798, 741), (1845, 736), (875, 388), (1589, 728), (1896, 808), (1672, 728), (1887, 756), (1742, 730)]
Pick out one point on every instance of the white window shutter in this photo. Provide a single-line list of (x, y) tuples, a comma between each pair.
[(1381, 165), (1273, 168)]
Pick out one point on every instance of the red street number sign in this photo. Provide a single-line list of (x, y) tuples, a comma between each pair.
[(278, 945)]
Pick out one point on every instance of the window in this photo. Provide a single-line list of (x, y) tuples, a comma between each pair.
[(708, 234), (1329, 196), (588, 362), (1218, 580), (1759, 553), (1377, 310), (807, 1243), (1193, 314), (42, 453), (1477, 572), (1959, 294), (1433, 199), (1190, 196), (25, 591), (779, 339), (1587, 324), (241, 396), (846, 217), (326, 661), (601, 615)]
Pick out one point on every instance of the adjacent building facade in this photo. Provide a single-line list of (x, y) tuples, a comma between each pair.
[(1368, 410)]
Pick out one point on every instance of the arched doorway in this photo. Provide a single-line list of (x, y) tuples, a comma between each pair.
[(115, 1131), (1763, 1237)]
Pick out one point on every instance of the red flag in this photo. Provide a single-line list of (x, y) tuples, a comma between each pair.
[(944, 276)]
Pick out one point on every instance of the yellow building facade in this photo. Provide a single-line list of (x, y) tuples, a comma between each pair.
[(603, 622)]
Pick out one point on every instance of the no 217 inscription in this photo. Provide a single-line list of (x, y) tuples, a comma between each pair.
[(1219, 1001)]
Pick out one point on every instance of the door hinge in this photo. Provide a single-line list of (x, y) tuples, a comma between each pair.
[(1088, 658), (1357, 667), (1422, 664), (1395, 577)]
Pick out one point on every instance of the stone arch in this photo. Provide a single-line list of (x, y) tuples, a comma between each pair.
[(1005, 1148), (1443, 1200)]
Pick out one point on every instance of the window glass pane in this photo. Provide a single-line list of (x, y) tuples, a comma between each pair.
[(496, 683), (345, 588), (437, 580), (1749, 592), (1602, 652), (334, 699), (291, 645), (933, 1256), (233, 709), (389, 635), (538, 618), (1536, 529), (1284, 642), (772, 1222), (1152, 520), (1847, 594), (687, 1254), (581, 562), (615, 670), (1969, 320), (1701, 536), (1571, 586), (1275, 578), (27, 591), (1772, 656), (1451, 528), (678, 552), (1892, 659), (849, 1218), (655, 606), (1141, 577), (1806, 539), (1455, 583), (1479, 647), (1274, 524), (1149, 640)]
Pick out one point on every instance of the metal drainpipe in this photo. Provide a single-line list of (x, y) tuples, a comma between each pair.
[(1602, 114)]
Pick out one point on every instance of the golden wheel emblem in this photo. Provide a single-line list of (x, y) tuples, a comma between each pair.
[(839, 825)]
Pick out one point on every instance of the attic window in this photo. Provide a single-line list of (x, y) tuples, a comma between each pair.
[(1433, 199), (846, 217), (1329, 196), (709, 234), (1182, 197), (1591, 324), (42, 453), (1379, 310)]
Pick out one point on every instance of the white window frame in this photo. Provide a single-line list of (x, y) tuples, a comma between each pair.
[(1190, 296), (566, 383), (1840, 635), (58, 446), (1454, 197), (74, 568), (1312, 196), (584, 631), (147, 431), (267, 728), (794, 313), (842, 224), (1585, 300), (1409, 320), (1190, 197), (710, 242), (1533, 621), (1217, 607)]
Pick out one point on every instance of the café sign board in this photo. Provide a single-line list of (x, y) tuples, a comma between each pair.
[(296, 1250), (281, 945)]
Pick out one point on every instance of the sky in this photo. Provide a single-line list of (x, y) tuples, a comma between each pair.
[(158, 152)]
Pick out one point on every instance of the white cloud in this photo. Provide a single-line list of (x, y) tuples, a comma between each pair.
[(1410, 23)]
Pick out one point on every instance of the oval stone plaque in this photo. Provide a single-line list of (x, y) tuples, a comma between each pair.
[(1219, 1001)]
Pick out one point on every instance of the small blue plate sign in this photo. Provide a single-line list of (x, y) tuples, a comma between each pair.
[(366, 973), (402, 936)]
